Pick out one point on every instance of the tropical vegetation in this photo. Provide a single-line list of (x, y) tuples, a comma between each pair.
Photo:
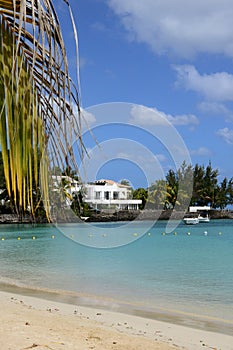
[(160, 195), (40, 118), (174, 190), (39, 103)]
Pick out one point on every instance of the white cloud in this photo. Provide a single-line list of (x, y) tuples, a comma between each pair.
[(147, 116), (151, 117), (217, 109), (181, 27), (184, 119), (216, 86), (89, 118), (226, 134), (201, 151), (213, 107), (161, 157)]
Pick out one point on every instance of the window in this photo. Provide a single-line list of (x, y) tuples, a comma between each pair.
[(115, 195), (97, 195), (106, 195)]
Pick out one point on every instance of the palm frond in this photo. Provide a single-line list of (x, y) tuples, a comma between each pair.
[(39, 101)]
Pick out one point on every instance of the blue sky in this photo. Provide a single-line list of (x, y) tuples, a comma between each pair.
[(155, 65)]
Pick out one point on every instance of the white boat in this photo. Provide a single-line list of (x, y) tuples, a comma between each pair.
[(191, 221), (84, 218), (203, 218)]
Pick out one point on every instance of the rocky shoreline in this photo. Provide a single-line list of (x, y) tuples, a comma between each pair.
[(123, 215), (152, 215)]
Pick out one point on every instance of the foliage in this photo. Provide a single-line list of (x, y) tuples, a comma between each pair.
[(172, 183), (185, 185), (2, 175), (125, 182), (38, 100), (142, 194), (22, 134), (157, 195), (162, 194), (205, 184), (195, 186)]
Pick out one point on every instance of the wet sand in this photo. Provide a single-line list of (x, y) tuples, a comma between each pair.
[(29, 322)]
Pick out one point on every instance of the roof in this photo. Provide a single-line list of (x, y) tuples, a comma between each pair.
[(194, 209), (111, 182)]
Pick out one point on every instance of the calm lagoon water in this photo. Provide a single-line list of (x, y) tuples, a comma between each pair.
[(185, 270)]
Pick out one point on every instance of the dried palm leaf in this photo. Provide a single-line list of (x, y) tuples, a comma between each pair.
[(38, 98)]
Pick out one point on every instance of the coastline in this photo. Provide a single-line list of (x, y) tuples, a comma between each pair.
[(30, 322), (123, 215), (168, 314), (48, 318), (52, 321)]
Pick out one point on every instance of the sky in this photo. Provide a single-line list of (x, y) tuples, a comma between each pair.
[(156, 84)]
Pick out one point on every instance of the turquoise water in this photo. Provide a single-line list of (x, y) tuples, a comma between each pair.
[(185, 270)]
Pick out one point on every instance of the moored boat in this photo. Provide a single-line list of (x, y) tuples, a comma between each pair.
[(202, 218), (191, 221)]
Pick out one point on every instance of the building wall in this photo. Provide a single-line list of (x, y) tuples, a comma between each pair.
[(111, 195), (104, 193)]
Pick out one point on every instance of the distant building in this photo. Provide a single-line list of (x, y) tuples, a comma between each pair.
[(196, 209), (70, 187), (103, 194), (73, 184)]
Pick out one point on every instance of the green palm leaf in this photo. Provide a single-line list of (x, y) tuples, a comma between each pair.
[(37, 99)]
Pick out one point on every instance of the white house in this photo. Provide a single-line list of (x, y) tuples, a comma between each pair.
[(101, 194), (110, 194), (72, 184), (196, 209)]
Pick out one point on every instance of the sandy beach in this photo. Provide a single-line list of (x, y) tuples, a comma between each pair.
[(28, 322)]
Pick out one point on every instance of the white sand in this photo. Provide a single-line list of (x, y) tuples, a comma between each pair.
[(33, 323)]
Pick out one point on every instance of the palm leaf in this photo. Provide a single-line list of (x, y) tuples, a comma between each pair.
[(38, 98)]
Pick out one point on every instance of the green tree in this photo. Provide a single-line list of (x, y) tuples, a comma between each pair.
[(209, 186), (179, 187), (205, 185), (141, 193), (224, 194), (125, 182), (172, 187), (157, 195), (221, 196), (185, 185), (230, 192), (71, 173), (198, 185)]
